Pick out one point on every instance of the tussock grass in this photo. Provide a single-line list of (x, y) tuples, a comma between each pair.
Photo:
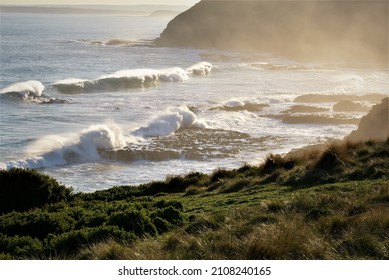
[(315, 223), (292, 240), (327, 202), (107, 250)]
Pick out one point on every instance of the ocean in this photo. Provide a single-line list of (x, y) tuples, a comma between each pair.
[(89, 100)]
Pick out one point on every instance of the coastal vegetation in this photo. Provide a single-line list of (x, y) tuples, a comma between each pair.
[(324, 202)]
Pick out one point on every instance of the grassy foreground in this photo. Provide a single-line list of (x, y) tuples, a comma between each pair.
[(320, 203)]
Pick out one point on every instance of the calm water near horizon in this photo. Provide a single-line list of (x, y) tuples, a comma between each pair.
[(89, 100)]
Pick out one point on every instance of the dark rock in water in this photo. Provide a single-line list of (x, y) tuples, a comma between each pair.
[(192, 144), (373, 126), (250, 107), (318, 119), (318, 98), (349, 106), (194, 109), (308, 30), (54, 101), (305, 109)]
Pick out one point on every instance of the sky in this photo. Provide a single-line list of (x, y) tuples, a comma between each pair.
[(99, 2)]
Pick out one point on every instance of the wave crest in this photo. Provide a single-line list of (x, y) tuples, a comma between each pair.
[(168, 123), (84, 146), (24, 90), (122, 80), (200, 69), (241, 105)]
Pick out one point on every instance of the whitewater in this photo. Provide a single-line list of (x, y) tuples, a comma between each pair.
[(89, 100)]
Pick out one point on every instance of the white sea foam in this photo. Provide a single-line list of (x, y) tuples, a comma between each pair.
[(122, 80), (116, 42), (170, 122), (69, 81), (135, 73), (174, 74), (25, 89), (84, 146), (280, 99), (243, 121), (251, 105), (235, 103), (348, 84), (200, 69)]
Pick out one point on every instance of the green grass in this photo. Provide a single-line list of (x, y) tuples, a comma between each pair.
[(324, 203)]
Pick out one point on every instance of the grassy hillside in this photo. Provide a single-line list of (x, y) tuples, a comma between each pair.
[(319, 203)]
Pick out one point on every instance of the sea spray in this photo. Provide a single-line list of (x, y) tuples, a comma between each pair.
[(200, 69), (83, 146), (170, 122), (236, 105), (345, 84), (133, 78), (174, 74), (119, 80), (349, 83), (28, 89)]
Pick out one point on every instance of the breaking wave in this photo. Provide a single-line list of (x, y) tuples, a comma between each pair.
[(128, 79), (279, 67), (241, 105), (117, 42), (346, 84), (98, 141), (84, 146), (200, 69), (117, 81), (23, 90), (29, 91), (170, 122)]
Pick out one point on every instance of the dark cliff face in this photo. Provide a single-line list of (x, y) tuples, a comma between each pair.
[(320, 30), (373, 126)]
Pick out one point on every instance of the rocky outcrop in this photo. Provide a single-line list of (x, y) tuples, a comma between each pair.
[(349, 106), (373, 126), (344, 30)]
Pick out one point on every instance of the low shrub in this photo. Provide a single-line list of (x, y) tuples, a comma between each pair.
[(72, 241), (23, 189), (170, 214), (22, 247), (133, 221), (35, 224)]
